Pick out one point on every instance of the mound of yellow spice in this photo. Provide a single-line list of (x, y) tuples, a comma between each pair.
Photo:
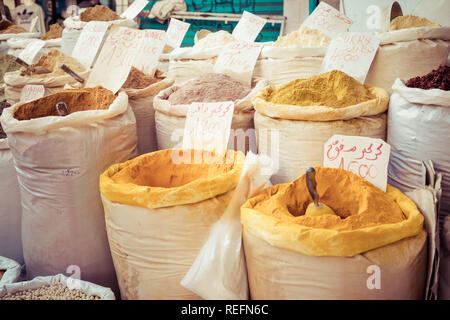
[(411, 21), (333, 89)]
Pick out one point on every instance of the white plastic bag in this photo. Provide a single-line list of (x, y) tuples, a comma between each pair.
[(84, 286), (219, 271), (12, 269)]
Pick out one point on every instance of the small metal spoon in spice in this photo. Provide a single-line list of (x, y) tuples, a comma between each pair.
[(315, 208), (61, 108)]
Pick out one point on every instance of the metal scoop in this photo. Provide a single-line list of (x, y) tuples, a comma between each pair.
[(35, 70), (316, 209), (61, 108)]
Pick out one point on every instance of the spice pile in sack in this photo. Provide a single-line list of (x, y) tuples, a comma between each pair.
[(52, 61), (55, 291), (215, 39), (436, 79), (139, 80), (305, 37), (97, 98), (54, 32), (3, 104), (411, 21), (7, 64), (334, 89), (212, 87), (99, 13), (8, 27)]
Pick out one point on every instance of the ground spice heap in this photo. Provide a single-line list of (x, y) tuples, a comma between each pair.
[(436, 79), (99, 13), (7, 64), (3, 104), (52, 61), (333, 89), (211, 87), (8, 27), (361, 205), (139, 80), (215, 39), (55, 291), (305, 37), (97, 98), (55, 32), (411, 21)]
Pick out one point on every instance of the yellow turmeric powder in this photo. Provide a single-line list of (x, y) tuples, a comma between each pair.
[(356, 202), (411, 21), (333, 89)]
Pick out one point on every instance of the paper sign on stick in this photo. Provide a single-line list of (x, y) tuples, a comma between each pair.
[(31, 92), (151, 48), (134, 9), (31, 50), (33, 24), (366, 157), (208, 126), (176, 31), (328, 20), (248, 27), (238, 59), (352, 53), (116, 58), (89, 42)]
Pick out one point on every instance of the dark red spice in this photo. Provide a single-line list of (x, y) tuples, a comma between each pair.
[(3, 104), (436, 79)]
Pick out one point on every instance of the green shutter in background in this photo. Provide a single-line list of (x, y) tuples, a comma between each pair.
[(266, 7)]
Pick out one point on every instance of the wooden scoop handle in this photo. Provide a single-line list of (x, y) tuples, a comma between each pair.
[(311, 184)]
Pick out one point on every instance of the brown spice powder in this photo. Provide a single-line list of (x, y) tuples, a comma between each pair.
[(52, 61), (8, 27), (211, 87), (97, 98), (99, 13), (139, 80), (55, 32)]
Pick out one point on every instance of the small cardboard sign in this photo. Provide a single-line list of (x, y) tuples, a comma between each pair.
[(32, 91), (115, 59), (352, 53), (208, 126), (176, 31), (366, 157), (238, 59), (248, 27), (151, 49), (33, 24), (89, 42), (134, 9), (31, 50), (328, 20)]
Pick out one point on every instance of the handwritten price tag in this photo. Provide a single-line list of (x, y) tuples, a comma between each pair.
[(31, 92), (248, 27), (238, 60), (352, 53), (152, 46), (176, 31), (31, 50), (116, 58), (208, 126), (366, 157), (89, 42), (328, 20), (134, 9)]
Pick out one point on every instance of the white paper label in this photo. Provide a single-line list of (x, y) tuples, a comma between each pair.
[(248, 27), (31, 91), (134, 9), (208, 126), (31, 50), (328, 20), (176, 31), (352, 53), (366, 157), (89, 42), (151, 48), (116, 58), (238, 60), (33, 24)]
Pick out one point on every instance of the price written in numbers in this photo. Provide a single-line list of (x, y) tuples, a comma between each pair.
[(328, 20)]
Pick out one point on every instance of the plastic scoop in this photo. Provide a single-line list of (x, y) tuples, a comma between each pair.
[(315, 208), (61, 108), (35, 70)]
